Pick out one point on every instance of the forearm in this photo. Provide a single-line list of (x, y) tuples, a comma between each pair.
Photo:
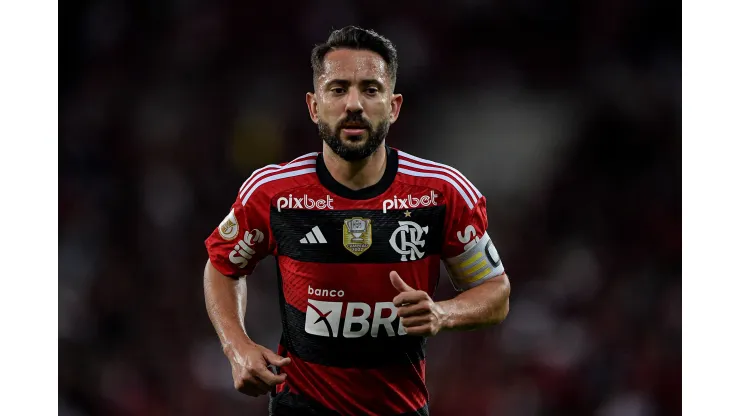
[(481, 306), (226, 302)]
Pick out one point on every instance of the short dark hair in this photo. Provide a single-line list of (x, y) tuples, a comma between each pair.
[(353, 37)]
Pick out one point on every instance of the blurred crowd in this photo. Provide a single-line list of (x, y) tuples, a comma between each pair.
[(566, 115)]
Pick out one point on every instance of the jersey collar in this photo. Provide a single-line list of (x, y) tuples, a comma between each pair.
[(365, 193)]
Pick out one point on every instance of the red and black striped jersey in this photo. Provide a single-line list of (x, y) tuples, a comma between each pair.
[(335, 249)]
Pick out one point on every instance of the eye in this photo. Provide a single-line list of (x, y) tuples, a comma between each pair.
[(338, 90), (371, 91)]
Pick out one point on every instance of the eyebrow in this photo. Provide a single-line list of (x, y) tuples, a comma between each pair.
[(364, 82)]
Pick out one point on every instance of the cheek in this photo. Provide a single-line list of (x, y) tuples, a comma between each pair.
[(378, 112), (327, 114), (331, 109)]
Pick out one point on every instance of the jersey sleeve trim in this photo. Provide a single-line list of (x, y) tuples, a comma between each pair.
[(261, 176), (467, 200), (264, 170), (280, 174), (436, 166)]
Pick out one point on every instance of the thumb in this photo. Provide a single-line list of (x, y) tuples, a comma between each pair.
[(399, 284), (275, 359)]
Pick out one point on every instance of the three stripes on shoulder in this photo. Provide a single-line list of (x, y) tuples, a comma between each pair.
[(314, 237), (407, 164)]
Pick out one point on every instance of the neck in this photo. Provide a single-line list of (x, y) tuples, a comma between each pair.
[(357, 174)]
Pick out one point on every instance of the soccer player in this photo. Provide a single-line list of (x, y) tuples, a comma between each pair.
[(358, 232)]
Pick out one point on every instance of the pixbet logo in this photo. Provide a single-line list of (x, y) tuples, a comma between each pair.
[(410, 202), (243, 251), (324, 319), (305, 202)]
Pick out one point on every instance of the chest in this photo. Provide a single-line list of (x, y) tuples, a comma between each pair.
[(358, 236), (355, 249)]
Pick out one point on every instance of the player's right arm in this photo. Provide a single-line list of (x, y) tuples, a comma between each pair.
[(234, 248)]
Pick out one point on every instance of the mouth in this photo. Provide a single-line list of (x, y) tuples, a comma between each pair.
[(353, 131)]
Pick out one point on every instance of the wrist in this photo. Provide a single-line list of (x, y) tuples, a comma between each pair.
[(231, 346), (446, 318)]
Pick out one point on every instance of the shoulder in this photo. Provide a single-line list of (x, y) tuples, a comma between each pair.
[(448, 180), (269, 180)]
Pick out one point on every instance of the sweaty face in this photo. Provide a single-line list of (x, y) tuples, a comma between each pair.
[(354, 104)]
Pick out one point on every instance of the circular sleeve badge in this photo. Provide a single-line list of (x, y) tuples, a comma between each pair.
[(229, 227)]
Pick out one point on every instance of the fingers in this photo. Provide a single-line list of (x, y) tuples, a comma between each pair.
[(257, 381), (252, 387), (420, 308), (416, 321), (245, 383), (399, 284), (410, 298), (270, 378), (275, 359), (255, 378), (422, 331)]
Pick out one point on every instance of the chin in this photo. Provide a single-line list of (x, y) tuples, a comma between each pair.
[(358, 140)]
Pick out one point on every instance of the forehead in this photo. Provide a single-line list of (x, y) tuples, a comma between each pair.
[(353, 65)]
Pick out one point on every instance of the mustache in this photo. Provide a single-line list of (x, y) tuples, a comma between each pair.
[(354, 121)]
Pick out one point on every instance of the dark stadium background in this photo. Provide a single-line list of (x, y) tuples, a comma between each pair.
[(566, 115)]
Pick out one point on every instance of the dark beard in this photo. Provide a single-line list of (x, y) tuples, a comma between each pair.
[(354, 153)]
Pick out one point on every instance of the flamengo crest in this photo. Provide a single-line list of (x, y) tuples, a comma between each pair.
[(407, 240)]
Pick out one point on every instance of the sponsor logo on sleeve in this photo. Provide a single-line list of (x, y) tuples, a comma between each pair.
[(470, 238), (243, 250)]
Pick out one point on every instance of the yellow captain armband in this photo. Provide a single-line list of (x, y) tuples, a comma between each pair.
[(476, 265)]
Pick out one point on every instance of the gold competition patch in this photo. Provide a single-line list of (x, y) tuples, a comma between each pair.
[(229, 227), (358, 235)]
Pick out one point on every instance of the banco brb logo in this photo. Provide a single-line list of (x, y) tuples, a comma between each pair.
[(324, 318), (406, 240)]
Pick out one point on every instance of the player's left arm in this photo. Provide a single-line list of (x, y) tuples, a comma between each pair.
[(484, 305), (475, 270)]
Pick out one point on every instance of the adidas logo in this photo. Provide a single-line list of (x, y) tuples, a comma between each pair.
[(314, 237)]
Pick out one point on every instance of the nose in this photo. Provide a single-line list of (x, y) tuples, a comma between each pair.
[(353, 105)]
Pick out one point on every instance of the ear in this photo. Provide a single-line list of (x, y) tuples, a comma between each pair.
[(313, 109), (396, 101)]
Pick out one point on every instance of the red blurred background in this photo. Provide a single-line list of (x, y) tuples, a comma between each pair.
[(566, 115)]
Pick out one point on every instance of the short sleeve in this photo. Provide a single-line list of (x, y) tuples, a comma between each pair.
[(242, 239), (468, 253)]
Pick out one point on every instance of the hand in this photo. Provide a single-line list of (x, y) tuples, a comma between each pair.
[(419, 314), (249, 368)]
